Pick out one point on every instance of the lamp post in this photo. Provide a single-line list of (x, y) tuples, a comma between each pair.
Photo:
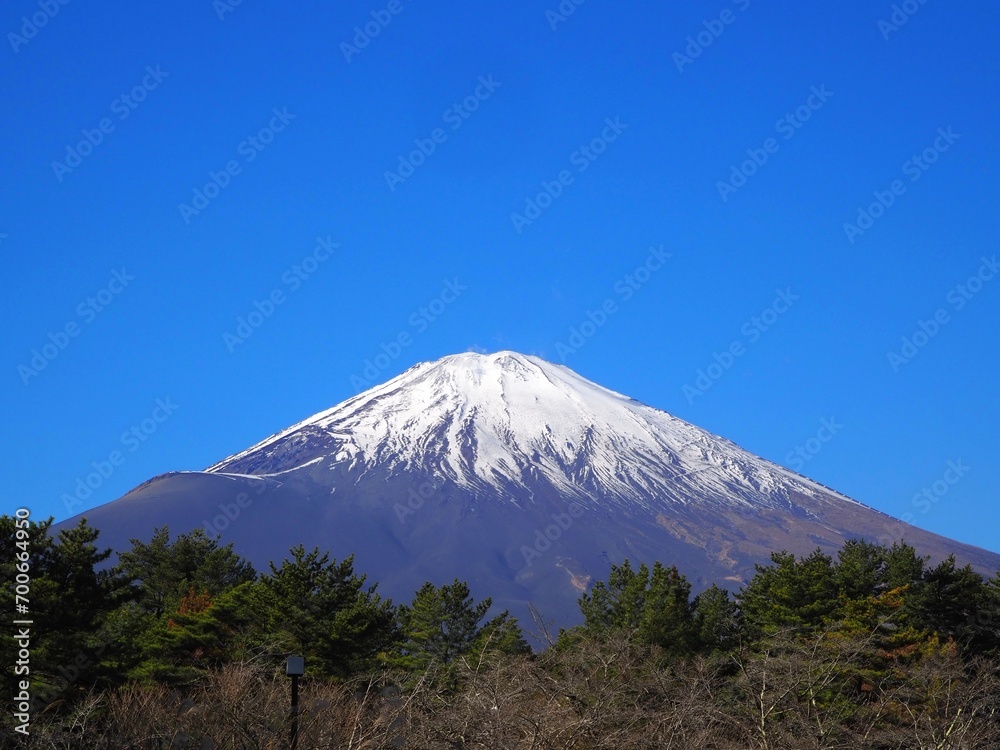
[(295, 667)]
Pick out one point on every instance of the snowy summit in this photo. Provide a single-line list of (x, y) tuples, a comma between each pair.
[(507, 424)]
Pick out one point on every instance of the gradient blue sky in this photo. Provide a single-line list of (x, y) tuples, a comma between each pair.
[(64, 233)]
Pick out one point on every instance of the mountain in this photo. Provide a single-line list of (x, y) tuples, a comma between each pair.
[(516, 475)]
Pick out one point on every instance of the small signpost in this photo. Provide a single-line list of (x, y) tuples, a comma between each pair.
[(295, 667)]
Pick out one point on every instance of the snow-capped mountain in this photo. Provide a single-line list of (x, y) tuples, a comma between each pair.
[(506, 426), (514, 474)]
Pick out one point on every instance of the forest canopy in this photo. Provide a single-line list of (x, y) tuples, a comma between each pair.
[(179, 642)]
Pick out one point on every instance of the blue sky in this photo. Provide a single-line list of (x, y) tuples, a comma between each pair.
[(400, 179)]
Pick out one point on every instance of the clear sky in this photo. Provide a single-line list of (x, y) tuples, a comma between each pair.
[(215, 218)]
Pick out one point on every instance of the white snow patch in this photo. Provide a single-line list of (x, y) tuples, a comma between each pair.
[(494, 421)]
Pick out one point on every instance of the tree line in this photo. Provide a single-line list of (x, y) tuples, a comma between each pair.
[(180, 643)]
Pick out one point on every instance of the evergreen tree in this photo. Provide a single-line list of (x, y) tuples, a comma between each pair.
[(667, 618), (874, 631), (26, 550), (501, 635), (988, 617), (126, 637), (617, 604), (903, 566), (187, 641), (651, 607), (164, 571), (861, 569), (798, 594), (321, 609), (716, 620), (949, 603), (70, 598), (86, 593), (443, 624)]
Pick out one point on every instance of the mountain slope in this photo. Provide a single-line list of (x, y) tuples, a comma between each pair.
[(508, 425), (512, 473)]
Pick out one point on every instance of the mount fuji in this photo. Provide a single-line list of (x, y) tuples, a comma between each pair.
[(516, 475)]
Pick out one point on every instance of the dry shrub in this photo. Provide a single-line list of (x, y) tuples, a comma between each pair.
[(607, 695)]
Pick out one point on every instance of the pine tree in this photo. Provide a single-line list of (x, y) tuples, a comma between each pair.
[(653, 608), (164, 571), (501, 635), (667, 618), (69, 601), (797, 594), (321, 609), (903, 566), (716, 620), (949, 602), (874, 631), (861, 569), (87, 593), (443, 624), (988, 617), (617, 604), (185, 642)]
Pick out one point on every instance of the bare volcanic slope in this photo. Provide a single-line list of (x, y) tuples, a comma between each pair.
[(516, 475)]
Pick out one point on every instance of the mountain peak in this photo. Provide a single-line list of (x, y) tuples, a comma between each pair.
[(474, 366), (514, 474), (512, 427)]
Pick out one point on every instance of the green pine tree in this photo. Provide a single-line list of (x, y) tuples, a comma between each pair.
[(716, 620), (667, 618), (442, 624), (650, 607), (617, 604), (950, 601), (861, 569), (903, 566), (164, 571), (791, 594), (71, 597), (321, 609)]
